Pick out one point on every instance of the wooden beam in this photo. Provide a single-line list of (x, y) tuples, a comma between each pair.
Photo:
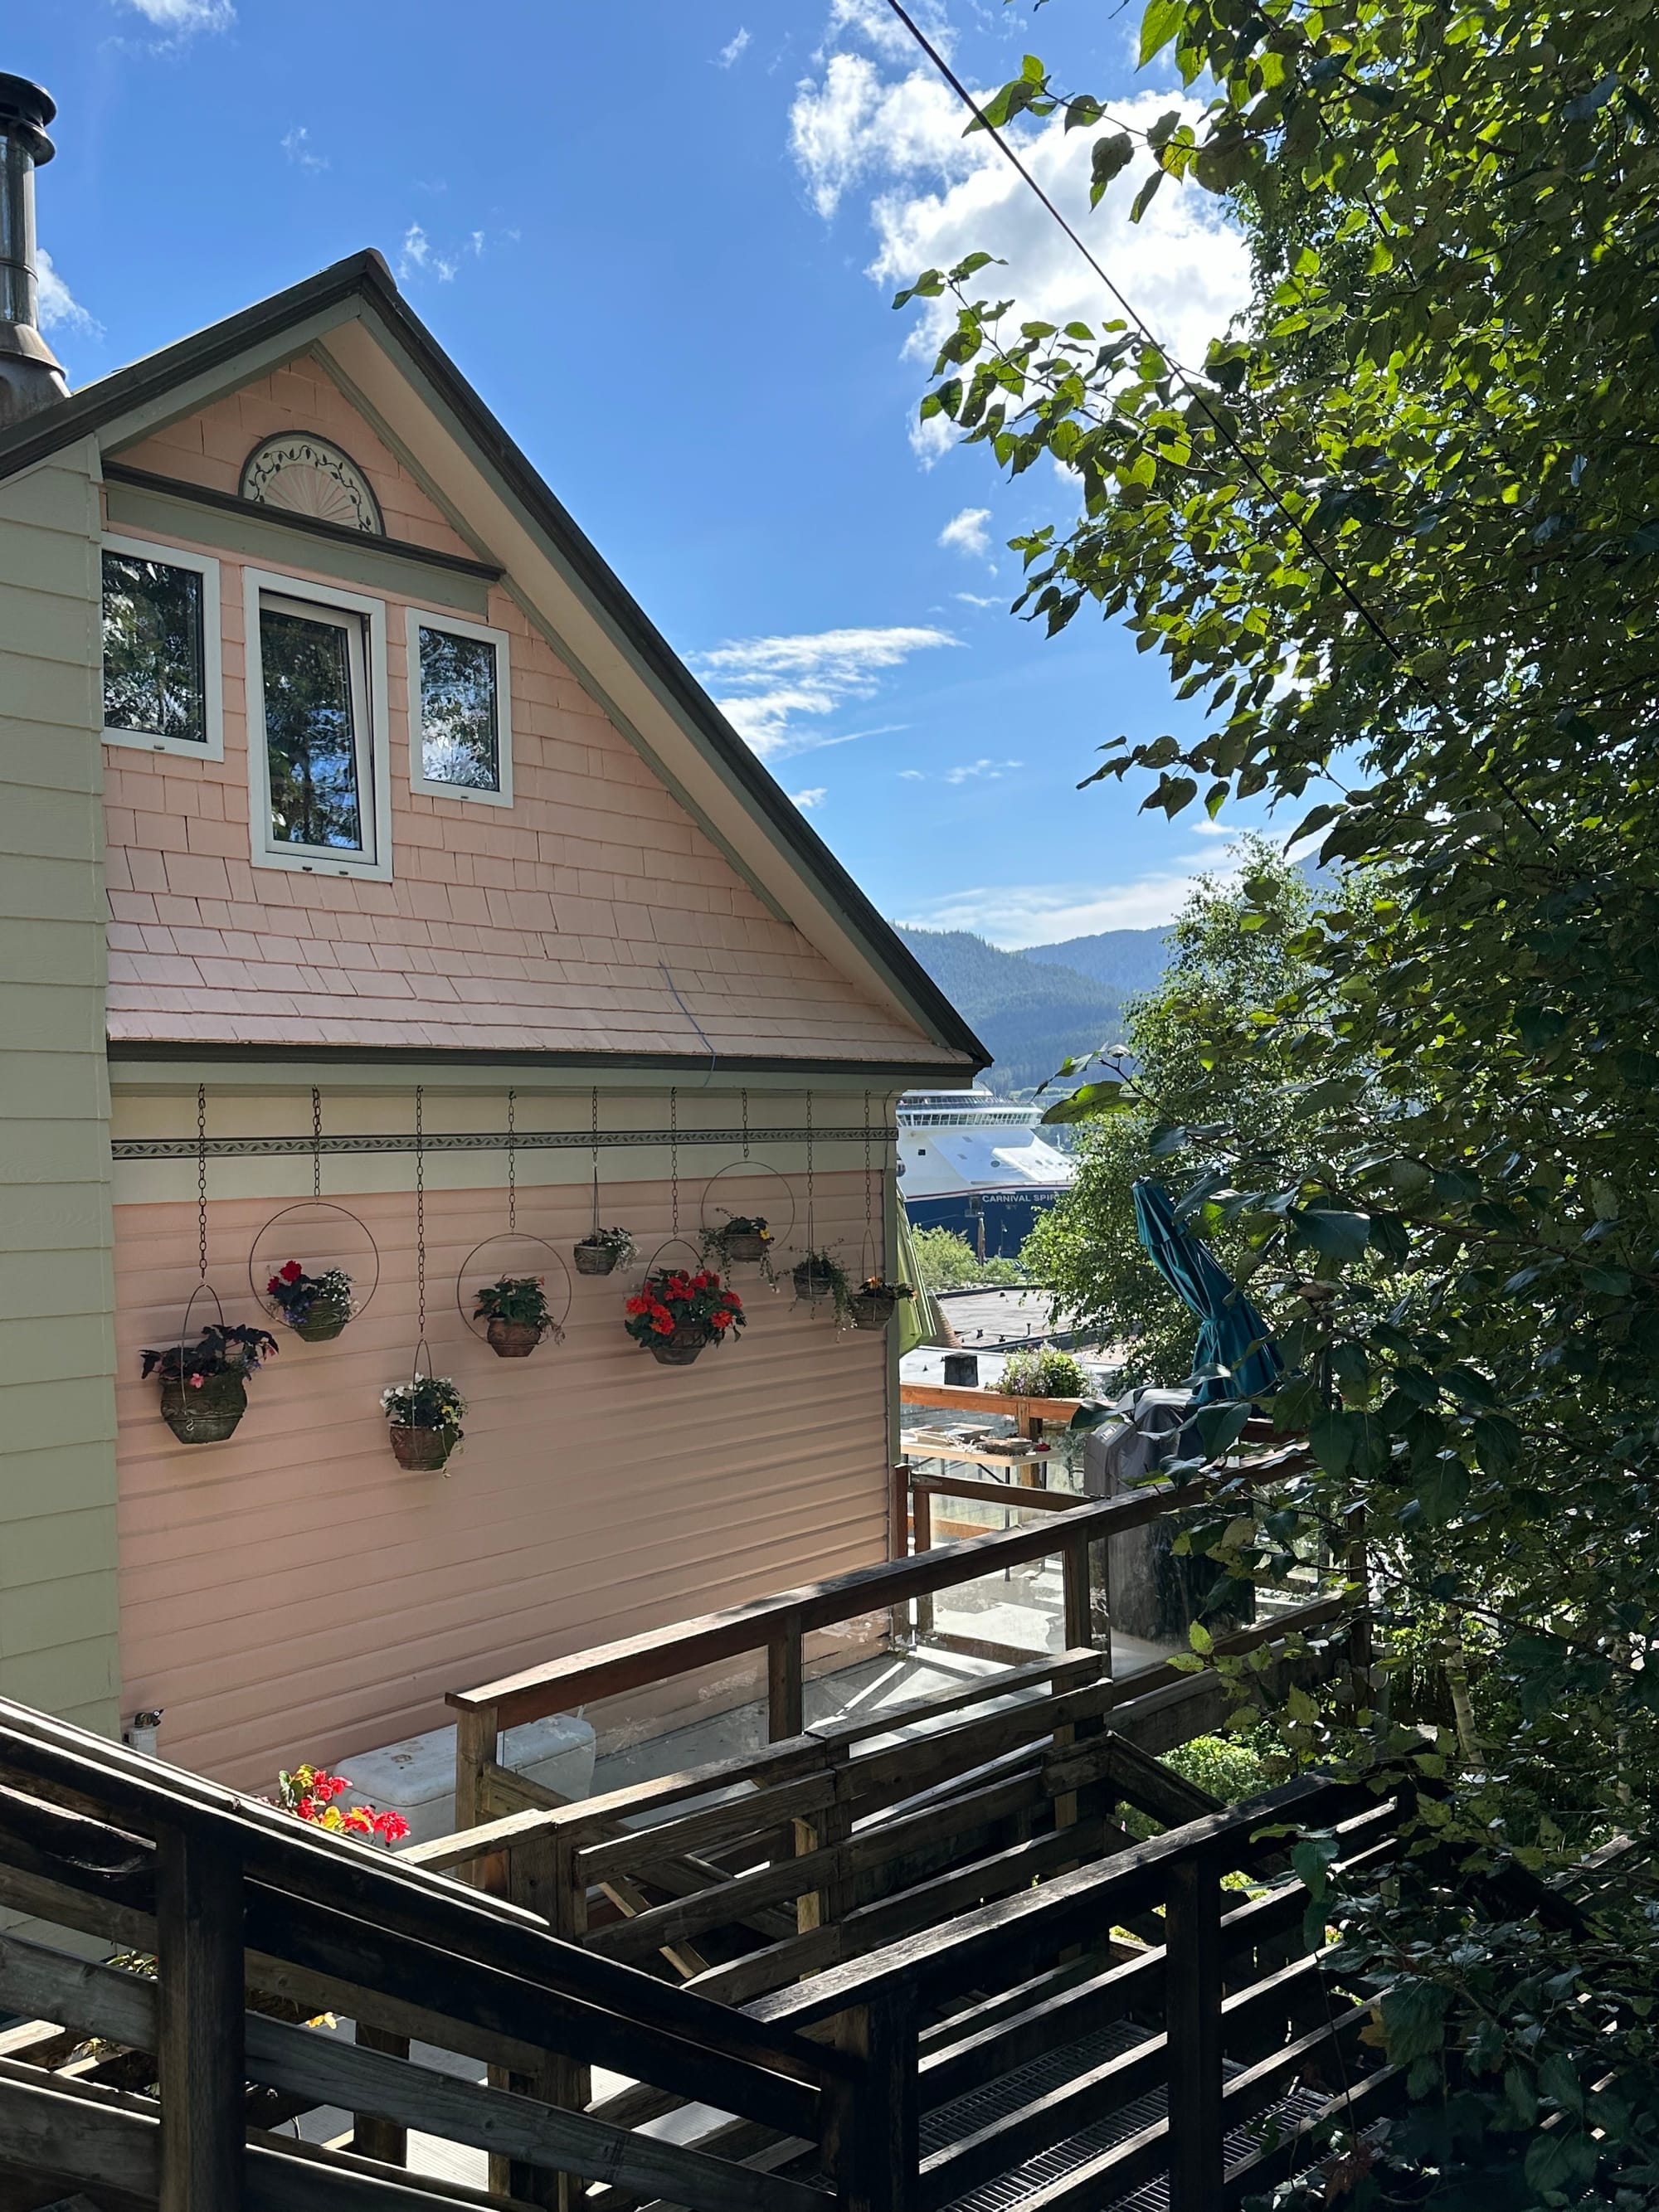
[(198, 2048), (1192, 2011), (959, 1398)]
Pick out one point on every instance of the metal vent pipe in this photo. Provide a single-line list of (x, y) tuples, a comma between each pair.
[(30, 377)]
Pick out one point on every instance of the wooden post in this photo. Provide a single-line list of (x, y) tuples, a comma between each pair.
[(877, 2146), (476, 1736), (541, 1875), (898, 1511), (1074, 1571), (200, 2043), (922, 1514), (371, 2137), (1030, 1425), (1192, 1928), (785, 1713)]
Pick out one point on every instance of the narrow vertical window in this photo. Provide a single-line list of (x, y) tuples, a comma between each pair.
[(312, 663), (316, 728), (160, 650), (459, 740)]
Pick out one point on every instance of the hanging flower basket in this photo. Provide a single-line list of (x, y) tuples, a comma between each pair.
[(821, 1276), (874, 1302), (602, 1251), (423, 1417), (204, 1384), (315, 1307), (676, 1314), (515, 1315), (742, 1239)]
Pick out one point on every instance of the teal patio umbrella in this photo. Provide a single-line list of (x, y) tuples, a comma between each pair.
[(1231, 1333)]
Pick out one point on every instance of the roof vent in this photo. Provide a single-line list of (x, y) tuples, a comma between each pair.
[(30, 377)]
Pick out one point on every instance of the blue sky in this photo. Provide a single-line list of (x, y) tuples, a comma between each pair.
[(661, 237)]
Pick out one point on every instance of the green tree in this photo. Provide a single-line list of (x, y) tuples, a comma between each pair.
[(1396, 537), (1228, 965)]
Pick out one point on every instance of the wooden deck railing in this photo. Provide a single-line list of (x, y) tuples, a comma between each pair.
[(779, 1626), (1027, 2030), (249, 1914)]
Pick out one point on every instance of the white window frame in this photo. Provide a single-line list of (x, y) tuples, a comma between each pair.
[(213, 688), (374, 863), (417, 620)]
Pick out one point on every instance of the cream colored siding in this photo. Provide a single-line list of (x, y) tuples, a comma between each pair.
[(59, 1622)]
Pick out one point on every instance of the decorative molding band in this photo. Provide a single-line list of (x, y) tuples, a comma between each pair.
[(484, 1140)]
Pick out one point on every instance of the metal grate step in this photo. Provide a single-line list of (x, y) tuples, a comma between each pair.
[(951, 2123)]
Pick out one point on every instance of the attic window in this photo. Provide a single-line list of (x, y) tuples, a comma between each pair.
[(160, 640), (459, 733), (316, 681)]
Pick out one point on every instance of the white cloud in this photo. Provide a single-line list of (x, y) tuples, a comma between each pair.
[(966, 532), (775, 691), (297, 149), (936, 197), (966, 771), (418, 257), (806, 800), (729, 53), (183, 17), (975, 600), (912, 775), (873, 20), (1016, 914), (59, 308)]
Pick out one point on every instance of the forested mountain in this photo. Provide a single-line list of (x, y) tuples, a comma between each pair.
[(1126, 960), (1031, 1013)]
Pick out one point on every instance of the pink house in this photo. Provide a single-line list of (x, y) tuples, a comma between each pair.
[(356, 818)]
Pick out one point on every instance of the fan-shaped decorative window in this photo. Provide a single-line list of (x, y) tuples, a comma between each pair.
[(309, 475)]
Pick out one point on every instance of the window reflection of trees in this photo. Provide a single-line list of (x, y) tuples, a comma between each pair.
[(153, 679), (460, 742), (311, 740)]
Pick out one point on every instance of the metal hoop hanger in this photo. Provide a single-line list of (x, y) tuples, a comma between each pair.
[(869, 1253), (674, 1236), (316, 1203), (757, 1168), (555, 1328)]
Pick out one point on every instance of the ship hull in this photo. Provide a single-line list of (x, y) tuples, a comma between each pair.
[(1009, 1216)]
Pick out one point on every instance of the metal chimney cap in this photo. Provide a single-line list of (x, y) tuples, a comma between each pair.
[(25, 111)]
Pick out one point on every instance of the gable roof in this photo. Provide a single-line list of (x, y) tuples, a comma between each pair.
[(354, 309)]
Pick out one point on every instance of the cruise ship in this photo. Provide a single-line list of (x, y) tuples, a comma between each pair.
[(969, 1161)]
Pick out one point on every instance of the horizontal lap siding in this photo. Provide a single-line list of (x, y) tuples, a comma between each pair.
[(58, 1585), (294, 1594)]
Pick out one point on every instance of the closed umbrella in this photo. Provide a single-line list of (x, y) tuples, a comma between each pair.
[(919, 1318), (1232, 1332)]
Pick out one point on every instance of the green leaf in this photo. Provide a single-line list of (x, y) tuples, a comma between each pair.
[(1089, 1101), (1339, 1236), (1161, 23), (1109, 157), (1143, 200)]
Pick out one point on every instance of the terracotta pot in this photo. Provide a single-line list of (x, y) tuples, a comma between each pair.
[(513, 1339), (595, 1259), (743, 1244), (424, 1450), (682, 1348), (206, 1416), (811, 1282), (874, 1308), (327, 1317)]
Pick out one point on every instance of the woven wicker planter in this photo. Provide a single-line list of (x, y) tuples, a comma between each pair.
[(422, 1451), (811, 1282), (326, 1318), (595, 1259), (743, 1244), (206, 1416), (682, 1348), (874, 1308), (513, 1339)]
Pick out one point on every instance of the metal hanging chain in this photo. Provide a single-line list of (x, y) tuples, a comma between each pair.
[(316, 1144), (511, 1163), (746, 1125), (674, 1155), (812, 1221), (870, 1268), (596, 1159), (420, 1215), (201, 1177)]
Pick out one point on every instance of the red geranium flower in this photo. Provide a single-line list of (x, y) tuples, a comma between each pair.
[(665, 1326), (292, 1271)]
